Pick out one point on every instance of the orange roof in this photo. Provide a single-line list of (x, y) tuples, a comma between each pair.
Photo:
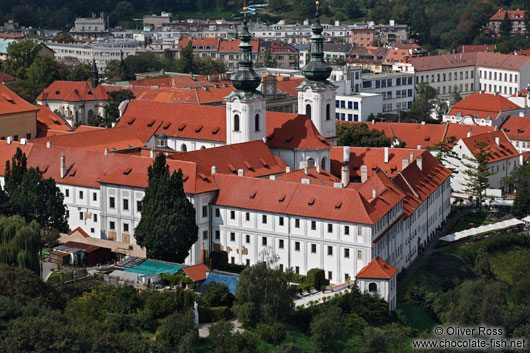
[(521, 93), (254, 157), (81, 231), (232, 45), (525, 52), (10, 103), (517, 128), (306, 200), (73, 91), (491, 60), (497, 152), (373, 158), (196, 272), (84, 128), (290, 131), (377, 269), (288, 84), (181, 81), (460, 131), (6, 77), (512, 14), (477, 48), (483, 104), (116, 139), (199, 43), (49, 124), (318, 178), (396, 55)]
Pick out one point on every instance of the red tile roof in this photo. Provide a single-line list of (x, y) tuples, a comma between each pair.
[(10, 103), (460, 131), (116, 139), (6, 78), (73, 91), (293, 131), (317, 178), (525, 52), (182, 81), (477, 48), (484, 105), (81, 231), (446, 61), (497, 152), (232, 45), (212, 43), (196, 272), (517, 128), (377, 269), (288, 84), (306, 200), (512, 14), (49, 124)]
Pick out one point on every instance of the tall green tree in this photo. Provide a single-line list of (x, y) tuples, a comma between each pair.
[(20, 55), (444, 151), (526, 19), (476, 173), (506, 25), (167, 228), (19, 243), (519, 180), (185, 62), (32, 196), (424, 103), (262, 295), (360, 135), (43, 71)]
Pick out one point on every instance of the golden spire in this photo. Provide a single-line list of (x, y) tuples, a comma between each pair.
[(317, 3), (245, 8)]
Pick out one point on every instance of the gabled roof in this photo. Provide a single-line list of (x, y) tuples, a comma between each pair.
[(232, 45), (49, 124), (517, 128), (6, 78), (115, 139), (377, 269), (254, 158), (483, 104), (81, 231), (497, 152), (512, 15), (73, 91), (182, 81), (288, 84), (205, 43), (293, 131), (10, 103), (305, 200), (196, 272), (460, 131), (447, 61)]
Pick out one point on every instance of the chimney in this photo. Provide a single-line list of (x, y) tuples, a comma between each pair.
[(48, 144), (107, 152), (373, 121), (469, 134), (306, 181), (521, 159), (272, 177), (63, 165), (305, 165), (418, 147), (240, 172), (374, 194), (364, 173), (497, 141), (411, 158), (404, 163), (287, 169), (521, 114), (214, 169), (346, 154), (23, 141), (419, 163), (386, 155), (423, 123), (9, 140), (318, 169), (337, 185), (345, 175)]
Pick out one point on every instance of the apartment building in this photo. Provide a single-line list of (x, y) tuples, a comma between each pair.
[(516, 17)]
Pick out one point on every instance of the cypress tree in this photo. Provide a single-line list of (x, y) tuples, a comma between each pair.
[(167, 228), (477, 173)]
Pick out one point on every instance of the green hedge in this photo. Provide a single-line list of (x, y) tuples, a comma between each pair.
[(317, 278), (214, 313)]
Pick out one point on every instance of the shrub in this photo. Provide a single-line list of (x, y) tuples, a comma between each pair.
[(274, 333), (317, 278), (215, 314), (218, 259)]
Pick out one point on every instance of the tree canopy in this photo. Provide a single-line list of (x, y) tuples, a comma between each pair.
[(359, 135), (476, 173), (167, 227), (519, 180), (19, 243)]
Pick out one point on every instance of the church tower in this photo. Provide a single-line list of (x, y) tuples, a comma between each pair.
[(316, 95), (245, 106), (94, 74)]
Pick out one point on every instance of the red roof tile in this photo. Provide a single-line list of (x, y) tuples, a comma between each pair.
[(317, 178), (6, 78), (512, 14), (491, 60), (49, 124), (460, 131), (81, 231), (293, 131), (232, 45), (196, 272), (10, 103), (377, 269), (199, 43), (497, 152), (288, 84), (484, 105), (517, 128), (73, 91)]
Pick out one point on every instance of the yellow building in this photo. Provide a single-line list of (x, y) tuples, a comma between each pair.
[(18, 118)]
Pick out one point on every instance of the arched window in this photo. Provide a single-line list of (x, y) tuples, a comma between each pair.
[(372, 287), (236, 122), (203, 147), (323, 163), (183, 148), (308, 110), (256, 122), (90, 112), (328, 114), (310, 162)]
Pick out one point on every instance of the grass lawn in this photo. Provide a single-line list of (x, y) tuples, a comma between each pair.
[(419, 319), (464, 223), (59, 277), (503, 261)]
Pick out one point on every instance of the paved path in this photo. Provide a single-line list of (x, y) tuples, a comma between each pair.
[(431, 247), (46, 269)]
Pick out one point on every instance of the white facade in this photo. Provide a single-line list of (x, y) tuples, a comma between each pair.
[(245, 119), (319, 105), (76, 113), (397, 89), (386, 289), (358, 107)]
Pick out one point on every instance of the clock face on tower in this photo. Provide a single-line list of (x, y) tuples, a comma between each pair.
[(269, 89)]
